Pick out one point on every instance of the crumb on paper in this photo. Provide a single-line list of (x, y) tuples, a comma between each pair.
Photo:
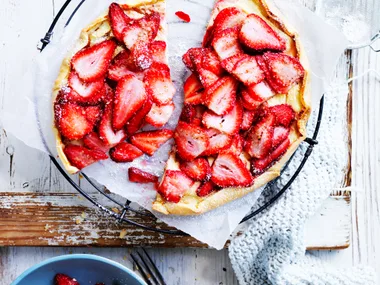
[(123, 233), (78, 221)]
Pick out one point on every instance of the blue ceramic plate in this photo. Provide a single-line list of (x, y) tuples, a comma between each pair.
[(85, 268)]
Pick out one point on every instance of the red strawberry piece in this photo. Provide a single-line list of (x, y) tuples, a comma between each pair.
[(188, 113), (210, 61), (106, 132), (139, 176), (249, 100), (229, 171), (142, 56), (93, 114), (258, 35), (228, 18), (130, 95), (174, 185), (248, 117), (159, 115), (205, 189), (62, 279), (203, 59), (237, 145), (118, 20), (261, 90), (83, 92), (229, 63), (187, 61), (259, 139), (136, 122), (150, 141), (207, 39), (198, 169), (229, 123), (260, 165), (183, 16), (93, 141), (283, 71), (121, 66), (91, 63), (279, 135), (226, 43), (248, 71), (283, 113), (158, 83), (71, 121), (191, 140), (158, 49), (220, 97), (218, 141), (192, 90), (80, 157), (125, 152)]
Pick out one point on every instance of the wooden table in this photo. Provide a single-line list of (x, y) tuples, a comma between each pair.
[(24, 170)]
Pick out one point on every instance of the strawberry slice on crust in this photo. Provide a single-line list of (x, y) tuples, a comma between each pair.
[(130, 95), (80, 157), (150, 141), (174, 185), (140, 176), (229, 123), (229, 63), (228, 18), (191, 140), (85, 92), (248, 118), (188, 113), (255, 95), (284, 114), (256, 34), (93, 141), (187, 61), (159, 115), (123, 65), (62, 279), (237, 145), (248, 71), (158, 83), (226, 43), (93, 114), (259, 139), (91, 63), (218, 141), (125, 152), (192, 89), (198, 169), (118, 20), (136, 122), (158, 49), (279, 135), (260, 165), (221, 96), (210, 61), (205, 189), (229, 171)]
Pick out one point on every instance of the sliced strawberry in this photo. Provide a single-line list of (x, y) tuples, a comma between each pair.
[(131, 35), (187, 61), (204, 61), (93, 141), (80, 157), (91, 63), (198, 169), (248, 71), (283, 71), (226, 43), (228, 123), (183, 16), (121, 66), (260, 165), (261, 91), (228, 18), (259, 139), (136, 122), (192, 90), (218, 141), (250, 101), (258, 35), (237, 145), (71, 120), (158, 83), (229, 171), (221, 97), (125, 152), (139, 176), (62, 279), (142, 56), (207, 39), (158, 49), (93, 114), (174, 185), (248, 117), (118, 20), (229, 63), (191, 140), (150, 141), (106, 132), (130, 95), (159, 115), (188, 113), (83, 92), (205, 189), (283, 113), (210, 61), (279, 135)]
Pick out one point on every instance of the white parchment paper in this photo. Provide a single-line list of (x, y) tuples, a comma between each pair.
[(28, 111)]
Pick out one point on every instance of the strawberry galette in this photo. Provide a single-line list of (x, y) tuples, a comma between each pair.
[(245, 111), (115, 81)]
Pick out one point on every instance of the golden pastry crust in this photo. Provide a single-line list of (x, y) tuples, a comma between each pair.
[(95, 32), (299, 97)]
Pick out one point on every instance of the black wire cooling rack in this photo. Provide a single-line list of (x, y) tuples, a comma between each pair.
[(126, 207)]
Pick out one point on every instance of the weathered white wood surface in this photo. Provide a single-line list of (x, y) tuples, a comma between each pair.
[(22, 23)]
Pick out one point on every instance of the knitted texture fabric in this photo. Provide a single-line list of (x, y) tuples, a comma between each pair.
[(272, 249)]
